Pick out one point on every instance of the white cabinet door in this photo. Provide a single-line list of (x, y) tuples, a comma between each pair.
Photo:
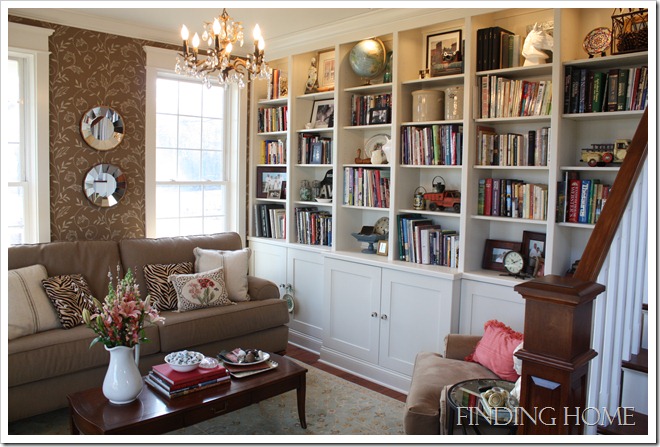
[(417, 312), (268, 261), (482, 301), (352, 309), (305, 274)]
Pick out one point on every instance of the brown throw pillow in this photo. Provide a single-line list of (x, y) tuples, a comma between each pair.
[(163, 295), (69, 294)]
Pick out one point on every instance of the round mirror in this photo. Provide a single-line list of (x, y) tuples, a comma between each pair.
[(102, 128), (105, 185)]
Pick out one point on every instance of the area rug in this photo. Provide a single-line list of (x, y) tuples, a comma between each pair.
[(334, 406)]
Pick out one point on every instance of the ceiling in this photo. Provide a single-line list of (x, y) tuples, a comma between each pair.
[(163, 23)]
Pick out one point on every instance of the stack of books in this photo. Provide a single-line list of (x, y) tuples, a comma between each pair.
[(172, 383)]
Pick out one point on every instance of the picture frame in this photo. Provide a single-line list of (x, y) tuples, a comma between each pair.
[(444, 53), (533, 246), (317, 153), (323, 114), (270, 179), (326, 71), (494, 252), (382, 248), (379, 115)]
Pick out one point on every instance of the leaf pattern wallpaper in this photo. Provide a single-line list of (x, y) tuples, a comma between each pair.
[(87, 69)]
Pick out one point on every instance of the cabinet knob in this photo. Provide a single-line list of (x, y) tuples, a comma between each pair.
[(374, 314), (383, 317)]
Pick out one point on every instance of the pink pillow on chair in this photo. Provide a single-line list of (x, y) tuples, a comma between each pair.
[(495, 349)]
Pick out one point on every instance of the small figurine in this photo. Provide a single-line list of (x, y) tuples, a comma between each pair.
[(536, 41), (312, 78)]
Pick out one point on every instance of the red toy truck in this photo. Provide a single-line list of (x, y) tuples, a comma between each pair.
[(442, 200)]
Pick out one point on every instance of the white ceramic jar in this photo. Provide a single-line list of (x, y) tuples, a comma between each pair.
[(427, 105)]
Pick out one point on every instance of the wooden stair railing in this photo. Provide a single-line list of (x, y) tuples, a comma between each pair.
[(558, 318)]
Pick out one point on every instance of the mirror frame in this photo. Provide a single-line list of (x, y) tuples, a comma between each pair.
[(90, 128), (98, 174)]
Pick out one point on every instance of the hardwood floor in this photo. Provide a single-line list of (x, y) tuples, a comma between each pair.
[(313, 359)]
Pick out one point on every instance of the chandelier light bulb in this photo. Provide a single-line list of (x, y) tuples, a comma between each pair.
[(257, 32), (195, 41), (228, 48), (184, 33), (216, 27), (262, 44)]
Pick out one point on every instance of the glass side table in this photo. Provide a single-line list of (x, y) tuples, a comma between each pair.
[(466, 409)]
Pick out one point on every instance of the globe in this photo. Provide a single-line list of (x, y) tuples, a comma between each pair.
[(367, 58)]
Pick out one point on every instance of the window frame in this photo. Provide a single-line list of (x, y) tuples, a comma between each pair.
[(30, 44), (160, 63)]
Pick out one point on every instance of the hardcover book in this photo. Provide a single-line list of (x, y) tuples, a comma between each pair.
[(178, 380)]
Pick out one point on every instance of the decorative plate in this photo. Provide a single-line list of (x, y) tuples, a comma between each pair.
[(265, 357), (322, 200), (597, 41), (374, 142), (382, 225), (289, 302)]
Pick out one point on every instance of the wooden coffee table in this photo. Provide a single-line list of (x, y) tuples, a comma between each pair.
[(152, 413)]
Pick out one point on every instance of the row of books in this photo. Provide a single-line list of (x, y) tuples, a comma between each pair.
[(314, 149), (277, 85), (270, 220), (172, 384), (503, 98), (423, 242), (272, 152), (361, 106), (512, 149), (580, 200), (314, 226), (512, 198), (367, 187), (273, 119), (498, 48), (432, 145), (618, 89)]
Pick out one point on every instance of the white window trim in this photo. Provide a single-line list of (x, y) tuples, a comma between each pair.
[(33, 41), (162, 60)]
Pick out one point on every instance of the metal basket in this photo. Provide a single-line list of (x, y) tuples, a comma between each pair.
[(630, 31)]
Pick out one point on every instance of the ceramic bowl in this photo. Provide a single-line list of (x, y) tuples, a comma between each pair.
[(184, 361)]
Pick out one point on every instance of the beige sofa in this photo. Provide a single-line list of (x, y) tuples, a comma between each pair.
[(433, 374), (43, 368)]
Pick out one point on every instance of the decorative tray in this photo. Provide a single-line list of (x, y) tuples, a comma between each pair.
[(267, 366)]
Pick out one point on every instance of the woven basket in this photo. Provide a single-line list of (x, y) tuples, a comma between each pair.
[(630, 30)]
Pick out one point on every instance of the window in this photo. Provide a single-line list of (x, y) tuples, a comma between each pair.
[(25, 137), (191, 158)]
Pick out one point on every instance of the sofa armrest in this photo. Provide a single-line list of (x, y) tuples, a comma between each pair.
[(459, 346), (262, 289)]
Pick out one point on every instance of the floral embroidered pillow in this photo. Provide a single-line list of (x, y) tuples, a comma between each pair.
[(200, 290)]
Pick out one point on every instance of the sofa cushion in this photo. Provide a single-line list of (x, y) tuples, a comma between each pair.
[(431, 374), (185, 330), (235, 263), (136, 253), (69, 294), (495, 349), (200, 290), (56, 353), (163, 295), (29, 309), (92, 259)]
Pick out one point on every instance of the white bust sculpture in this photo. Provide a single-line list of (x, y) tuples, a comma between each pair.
[(536, 40)]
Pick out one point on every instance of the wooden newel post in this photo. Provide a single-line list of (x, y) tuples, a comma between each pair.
[(556, 354)]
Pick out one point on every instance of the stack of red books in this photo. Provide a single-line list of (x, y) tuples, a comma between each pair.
[(172, 383)]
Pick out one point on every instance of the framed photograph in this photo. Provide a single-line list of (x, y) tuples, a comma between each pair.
[(533, 250), (443, 53), (379, 115), (382, 247), (494, 254), (270, 179), (317, 153), (323, 114), (326, 71)]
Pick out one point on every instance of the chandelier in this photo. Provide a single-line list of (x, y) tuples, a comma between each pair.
[(221, 36)]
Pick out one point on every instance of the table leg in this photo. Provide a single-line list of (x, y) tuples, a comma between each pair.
[(72, 424), (452, 420), (301, 390)]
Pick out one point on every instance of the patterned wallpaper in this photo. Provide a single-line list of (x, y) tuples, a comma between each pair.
[(89, 68)]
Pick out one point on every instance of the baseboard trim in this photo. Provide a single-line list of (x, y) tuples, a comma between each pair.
[(304, 341)]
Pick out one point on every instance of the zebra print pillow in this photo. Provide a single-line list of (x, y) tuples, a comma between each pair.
[(163, 295), (69, 294)]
